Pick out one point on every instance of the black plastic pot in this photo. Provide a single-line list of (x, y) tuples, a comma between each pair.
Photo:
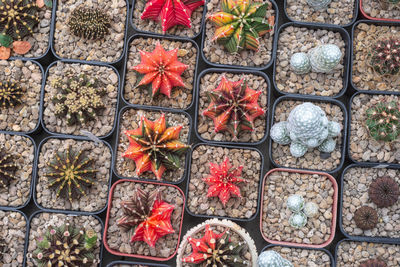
[(114, 263), (328, 27), (150, 36), (157, 109), (78, 62), (335, 171), (36, 179), (263, 67), (355, 15), (225, 217)]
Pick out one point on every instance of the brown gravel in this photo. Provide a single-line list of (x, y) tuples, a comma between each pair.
[(275, 214), (312, 159), (67, 45), (130, 265), (130, 120), (181, 97), (377, 9), (119, 240), (205, 125), (217, 53), (25, 116), (42, 220), (300, 39), (362, 146), (13, 231), (104, 122), (304, 257), (364, 77), (350, 254), (199, 203), (96, 198), (340, 12), (155, 27), (355, 194), (22, 148)]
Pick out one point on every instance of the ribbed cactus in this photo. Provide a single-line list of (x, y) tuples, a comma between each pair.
[(324, 58), (319, 4), (307, 127), (295, 203), (298, 220), (270, 258), (300, 63)]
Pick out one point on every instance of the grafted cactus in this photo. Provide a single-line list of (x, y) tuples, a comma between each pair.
[(270, 258), (307, 127), (324, 58), (300, 63), (319, 4)]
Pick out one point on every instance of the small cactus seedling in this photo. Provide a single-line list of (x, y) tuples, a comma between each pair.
[(298, 220), (241, 23), (66, 245), (161, 69), (295, 203), (383, 121), (319, 4), (366, 218), (155, 147), (10, 94), (373, 263), (310, 209), (89, 23), (324, 58), (385, 56), (384, 192), (223, 179), (70, 173), (7, 168), (234, 107), (270, 258), (300, 63)]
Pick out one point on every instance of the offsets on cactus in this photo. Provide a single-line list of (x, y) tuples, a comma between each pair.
[(270, 258), (324, 58), (300, 63)]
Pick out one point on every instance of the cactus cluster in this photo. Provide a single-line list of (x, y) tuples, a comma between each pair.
[(241, 23), (301, 210), (383, 121), (10, 94), (7, 168), (319, 4), (270, 258), (78, 98), (307, 127), (66, 245), (384, 56), (89, 23), (384, 192), (366, 218)]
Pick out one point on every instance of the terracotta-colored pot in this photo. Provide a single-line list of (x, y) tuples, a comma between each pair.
[(373, 18)]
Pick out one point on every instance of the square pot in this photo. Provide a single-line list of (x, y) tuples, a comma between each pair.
[(120, 245), (367, 13), (286, 182), (134, 264)]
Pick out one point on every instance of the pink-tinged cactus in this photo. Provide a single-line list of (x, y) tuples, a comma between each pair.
[(385, 56)]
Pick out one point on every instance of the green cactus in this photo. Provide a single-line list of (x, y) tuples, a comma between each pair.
[(89, 23), (383, 121), (324, 58), (394, 2), (10, 94), (384, 56), (270, 258), (298, 220), (295, 203), (300, 63), (319, 4)]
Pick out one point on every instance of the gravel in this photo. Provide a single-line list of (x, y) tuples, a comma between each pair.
[(67, 45), (43, 220), (22, 149), (13, 231), (364, 77), (25, 116), (340, 12), (362, 146), (155, 27), (378, 9), (129, 120), (300, 39), (119, 240), (275, 215), (217, 53), (181, 97), (313, 159), (205, 125), (104, 122), (96, 198), (304, 257), (350, 253), (355, 194), (245, 207)]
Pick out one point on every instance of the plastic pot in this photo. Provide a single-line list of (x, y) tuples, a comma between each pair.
[(317, 100), (36, 180), (114, 263), (327, 27), (236, 72), (373, 18), (224, 217), (107, 224), (149, 36), (334, 210)]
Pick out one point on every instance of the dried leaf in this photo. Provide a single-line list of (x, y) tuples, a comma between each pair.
[(21, 47), (5, 52), (5, 40), (40, 3)]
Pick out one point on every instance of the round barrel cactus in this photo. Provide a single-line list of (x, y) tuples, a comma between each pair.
[(319, 4), (298, 220), (295, 203), (272, 258), (300, 63), (324, 58)]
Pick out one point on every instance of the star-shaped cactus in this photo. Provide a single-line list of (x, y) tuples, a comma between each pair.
[(155, 147), (234, 107), (149, 214), (171, 12), (162, 69), (223, 179)]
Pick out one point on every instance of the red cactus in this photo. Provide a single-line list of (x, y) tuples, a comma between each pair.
[(385, 56), (222, 181)]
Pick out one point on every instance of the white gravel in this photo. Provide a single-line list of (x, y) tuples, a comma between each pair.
[(13, 231)]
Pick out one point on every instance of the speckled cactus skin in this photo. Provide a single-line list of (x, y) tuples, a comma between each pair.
[(319, 4), (307, 127), (272, 258), (295, 203), (298, 220), (324, 58), (300, 63), (310, 209)]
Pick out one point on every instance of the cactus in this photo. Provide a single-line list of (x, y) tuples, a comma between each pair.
[(298, 220), (300, 63), (366, 218), (319, 4), (324, 58), (384, 56), (383, 121), (241, 23), (310, 209), (7, 168), (270, 258), (10, 94), (295, 203), (384, 192), (89, 23), (394, 2), (307, 127)]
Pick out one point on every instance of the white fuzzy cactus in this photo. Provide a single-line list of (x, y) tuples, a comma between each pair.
[(307, 127), (270, 258), (295, 203), (310, 209), (324, 58), (300, 63), (298, 220), (319, 4)]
